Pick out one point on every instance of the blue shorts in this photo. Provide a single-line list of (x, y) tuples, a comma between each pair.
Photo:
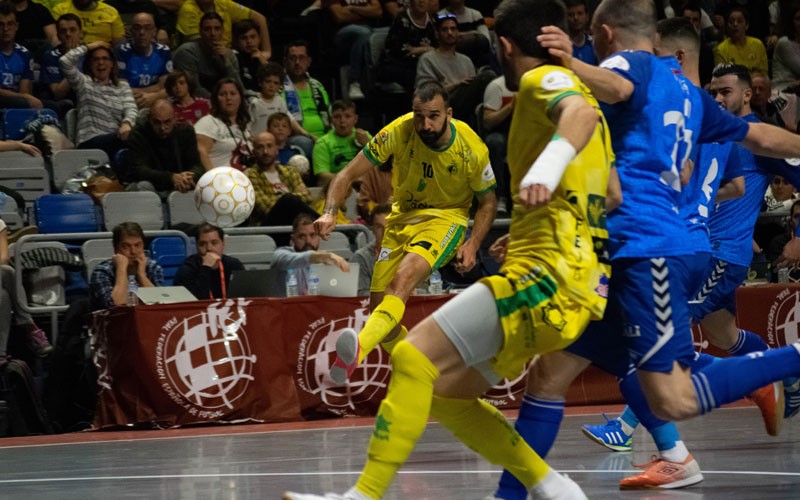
[(647, 322), (719, 289)]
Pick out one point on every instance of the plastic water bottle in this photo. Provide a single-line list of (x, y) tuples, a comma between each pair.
[(313, 282), (291, 283), (435, 286), (783, 275), (133, 299)]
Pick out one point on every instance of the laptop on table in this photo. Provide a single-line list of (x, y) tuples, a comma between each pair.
[(164, 295), (333, 282)]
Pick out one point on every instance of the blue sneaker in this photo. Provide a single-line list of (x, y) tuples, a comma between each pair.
[(609, 435), (791, 394)]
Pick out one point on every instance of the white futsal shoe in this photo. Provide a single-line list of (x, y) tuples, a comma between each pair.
[(556, 486)]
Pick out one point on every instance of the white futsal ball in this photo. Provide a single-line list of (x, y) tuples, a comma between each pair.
[(300, 163), (224, 197)]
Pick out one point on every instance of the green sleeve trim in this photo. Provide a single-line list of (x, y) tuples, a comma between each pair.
[(369, 156), (558, 98), (490, 188)]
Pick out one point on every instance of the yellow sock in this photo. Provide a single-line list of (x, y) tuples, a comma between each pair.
[(401, 419), (389, 345), (483, 428), (380, 323)]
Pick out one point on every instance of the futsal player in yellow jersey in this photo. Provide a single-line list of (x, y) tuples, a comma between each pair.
[(552, 284), (439, 165)]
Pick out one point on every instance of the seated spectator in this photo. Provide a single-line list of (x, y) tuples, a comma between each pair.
[(106, 108), (305, 97), (334, 150), (269, 100), (208, 59), (16, 68), (108, 285), (208, 272), (366, 256), (739, 48), (786, 58), (100, 21), (223, 137), (68, 30), (708, 34), (772, 106), (302, 252), (165, 23), (143, 62), (454, 71), (279, 125), (354, 20), (473, 36), (191, 13), (411, 34), (164, 154), (281, 194), (498, 107), (188, 107), (247, 44), (577, 27), (35, 338), (37, 28), (774, 248), (780, 195), (375, 189)]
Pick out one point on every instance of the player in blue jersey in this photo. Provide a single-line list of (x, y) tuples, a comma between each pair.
[(16, 66), (655, 116), (143, 62)]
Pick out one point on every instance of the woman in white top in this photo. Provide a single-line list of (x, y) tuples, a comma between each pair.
[(106, 107), (223, 137)]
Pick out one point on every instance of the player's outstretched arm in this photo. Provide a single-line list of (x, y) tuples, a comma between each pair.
[(606, 85), (769, 140), (575, 122), (466, 258), (337, 194)]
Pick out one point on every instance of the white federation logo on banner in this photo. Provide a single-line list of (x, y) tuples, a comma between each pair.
[(204, 363)]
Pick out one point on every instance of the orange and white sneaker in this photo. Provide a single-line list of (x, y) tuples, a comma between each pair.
[(664, 475), (770, 400)]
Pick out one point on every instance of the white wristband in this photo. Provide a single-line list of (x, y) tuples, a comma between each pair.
[(550, 165)]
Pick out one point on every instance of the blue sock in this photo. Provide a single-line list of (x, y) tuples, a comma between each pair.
[(748, 342), (629, 417), (730, 379), (666, 436), (701, 360), (637, 402), (538, 423)]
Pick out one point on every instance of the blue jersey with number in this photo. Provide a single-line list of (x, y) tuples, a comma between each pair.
[(713, 163), (143, 71), (731, 224), (15, 67)]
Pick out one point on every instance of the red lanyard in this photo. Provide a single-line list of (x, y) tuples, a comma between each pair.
[(221, 282)]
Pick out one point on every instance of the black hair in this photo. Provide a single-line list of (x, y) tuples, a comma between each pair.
[(521, 21)]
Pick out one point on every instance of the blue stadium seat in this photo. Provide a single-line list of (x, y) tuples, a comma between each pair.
[(169, 252), (65, 213), (15, 120)]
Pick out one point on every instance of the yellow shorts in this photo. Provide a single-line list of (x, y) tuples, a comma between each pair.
[(536, 318), (435, 240)]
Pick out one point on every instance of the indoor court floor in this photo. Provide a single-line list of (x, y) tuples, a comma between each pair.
[(738, 459)]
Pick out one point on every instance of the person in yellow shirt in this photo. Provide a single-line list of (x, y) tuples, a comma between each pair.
[(549, 288), (739, 48), (100, 21), (440, 165), (192, 10)]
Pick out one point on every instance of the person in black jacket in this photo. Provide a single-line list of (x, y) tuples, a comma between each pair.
[(208, 272), (163, 154)]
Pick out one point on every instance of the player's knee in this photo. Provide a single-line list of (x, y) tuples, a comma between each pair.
[(548, 379), (405, 356), (673, 405)]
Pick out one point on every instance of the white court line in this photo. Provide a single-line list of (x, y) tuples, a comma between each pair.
[(352, 473), (277, 431)]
